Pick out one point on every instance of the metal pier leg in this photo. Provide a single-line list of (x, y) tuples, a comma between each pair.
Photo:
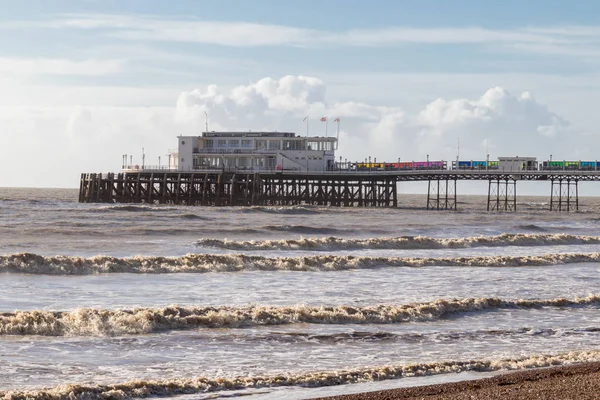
[(455, 199), (438, 194), (576, 195), (568, 195), (502, 196), (446, 196), (506, 195), (515, 196), (428, 192), (551, 194), (560, 195), (498, 195), (489, 195)]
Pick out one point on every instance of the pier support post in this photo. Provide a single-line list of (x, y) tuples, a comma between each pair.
[(502, 195), (564, 195), (441, 194)]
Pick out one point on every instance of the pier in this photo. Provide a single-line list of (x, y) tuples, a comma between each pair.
[(326, 188), (284, 169)]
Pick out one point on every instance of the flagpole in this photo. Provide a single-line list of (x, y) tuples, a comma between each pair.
[(337, 136), (306, 143), (326, 122)]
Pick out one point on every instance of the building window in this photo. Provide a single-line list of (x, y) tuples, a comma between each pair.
[(246, 143), (260, 144), (208, 144), (234, 143), (274, 145), (293, 145), (221, 143)]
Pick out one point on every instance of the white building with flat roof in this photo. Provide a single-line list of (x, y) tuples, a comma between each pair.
[(518, 163), (254, 151)]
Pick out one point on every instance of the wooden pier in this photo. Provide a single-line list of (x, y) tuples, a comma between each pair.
[(239, 189), (326, 188)]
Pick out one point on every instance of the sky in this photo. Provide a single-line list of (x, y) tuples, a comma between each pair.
[(84, 82)]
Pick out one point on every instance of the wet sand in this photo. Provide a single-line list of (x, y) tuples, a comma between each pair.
[(576, 382)]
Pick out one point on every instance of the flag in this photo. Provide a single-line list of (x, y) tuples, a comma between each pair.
[(304, 119), (337, 119), (323, 119)]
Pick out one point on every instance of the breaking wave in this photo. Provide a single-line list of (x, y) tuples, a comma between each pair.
[(411, 337), (402, 242), (100, 322), (147, 388), (28, 263)]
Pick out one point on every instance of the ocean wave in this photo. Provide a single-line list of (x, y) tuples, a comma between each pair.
[(191, 217), (28, 263), (101, 322), (530, 227), (171, 387), (412, 337), (402, 242), (287, 210), (132, 208), (300, 229)]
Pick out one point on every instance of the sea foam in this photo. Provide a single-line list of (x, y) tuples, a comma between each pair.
[(171, 387), (106, 322), (402, 242), (200, 263)]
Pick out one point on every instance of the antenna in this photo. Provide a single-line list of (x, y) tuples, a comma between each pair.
[(206, 120), (457, 148)]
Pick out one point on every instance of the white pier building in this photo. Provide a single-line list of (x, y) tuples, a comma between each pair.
[(253, 151)]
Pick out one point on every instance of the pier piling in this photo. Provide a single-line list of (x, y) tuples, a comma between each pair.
[(235, 189), (564, 195), (502, 195), (441, 194)]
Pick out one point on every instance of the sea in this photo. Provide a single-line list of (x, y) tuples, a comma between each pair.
[(298, 302)]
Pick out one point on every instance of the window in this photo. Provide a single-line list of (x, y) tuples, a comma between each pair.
[(246, 143), (293, 145), (234, 143), (260, 144), (208, 144), (221, 143), (274, 145)]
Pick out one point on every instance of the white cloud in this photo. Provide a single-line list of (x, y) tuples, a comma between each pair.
[(153, 28), (54, 66), (512, 123), (70, 140), (497, 120), (79, 121), (469, 35)]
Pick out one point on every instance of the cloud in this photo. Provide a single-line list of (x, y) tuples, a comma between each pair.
[(79, 121), (512, 123), (54, 66), (497, 120), (271, 104), (154, 28), (505, 124)]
